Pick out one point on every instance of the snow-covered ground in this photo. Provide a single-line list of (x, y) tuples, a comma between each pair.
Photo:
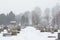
[(30, 33)]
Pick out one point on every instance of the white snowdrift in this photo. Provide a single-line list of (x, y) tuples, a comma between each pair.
[(29, 33)]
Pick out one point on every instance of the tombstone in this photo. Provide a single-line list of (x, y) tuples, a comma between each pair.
[(58, 36), (14, 33), (6, 34)]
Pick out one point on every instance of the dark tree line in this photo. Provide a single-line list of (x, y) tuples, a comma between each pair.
[(5, 19)]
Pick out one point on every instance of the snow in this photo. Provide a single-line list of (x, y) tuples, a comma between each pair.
[(30, 33)]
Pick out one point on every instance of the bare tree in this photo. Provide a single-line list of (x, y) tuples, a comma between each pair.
[(56, 16), (36, 16), (25, 19), (45, 18)]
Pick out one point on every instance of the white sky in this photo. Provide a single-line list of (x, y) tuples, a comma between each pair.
[(18, 6)]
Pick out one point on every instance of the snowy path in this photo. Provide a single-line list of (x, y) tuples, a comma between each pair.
[(29, 33)]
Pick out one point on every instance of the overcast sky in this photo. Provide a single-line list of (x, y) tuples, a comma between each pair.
[(20, 6)]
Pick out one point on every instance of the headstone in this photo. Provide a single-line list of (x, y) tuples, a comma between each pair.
[(58, 35)]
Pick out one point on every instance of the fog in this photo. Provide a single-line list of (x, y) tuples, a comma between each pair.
[(20, 6)]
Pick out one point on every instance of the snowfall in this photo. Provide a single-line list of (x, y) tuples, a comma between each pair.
[(30, 33)]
